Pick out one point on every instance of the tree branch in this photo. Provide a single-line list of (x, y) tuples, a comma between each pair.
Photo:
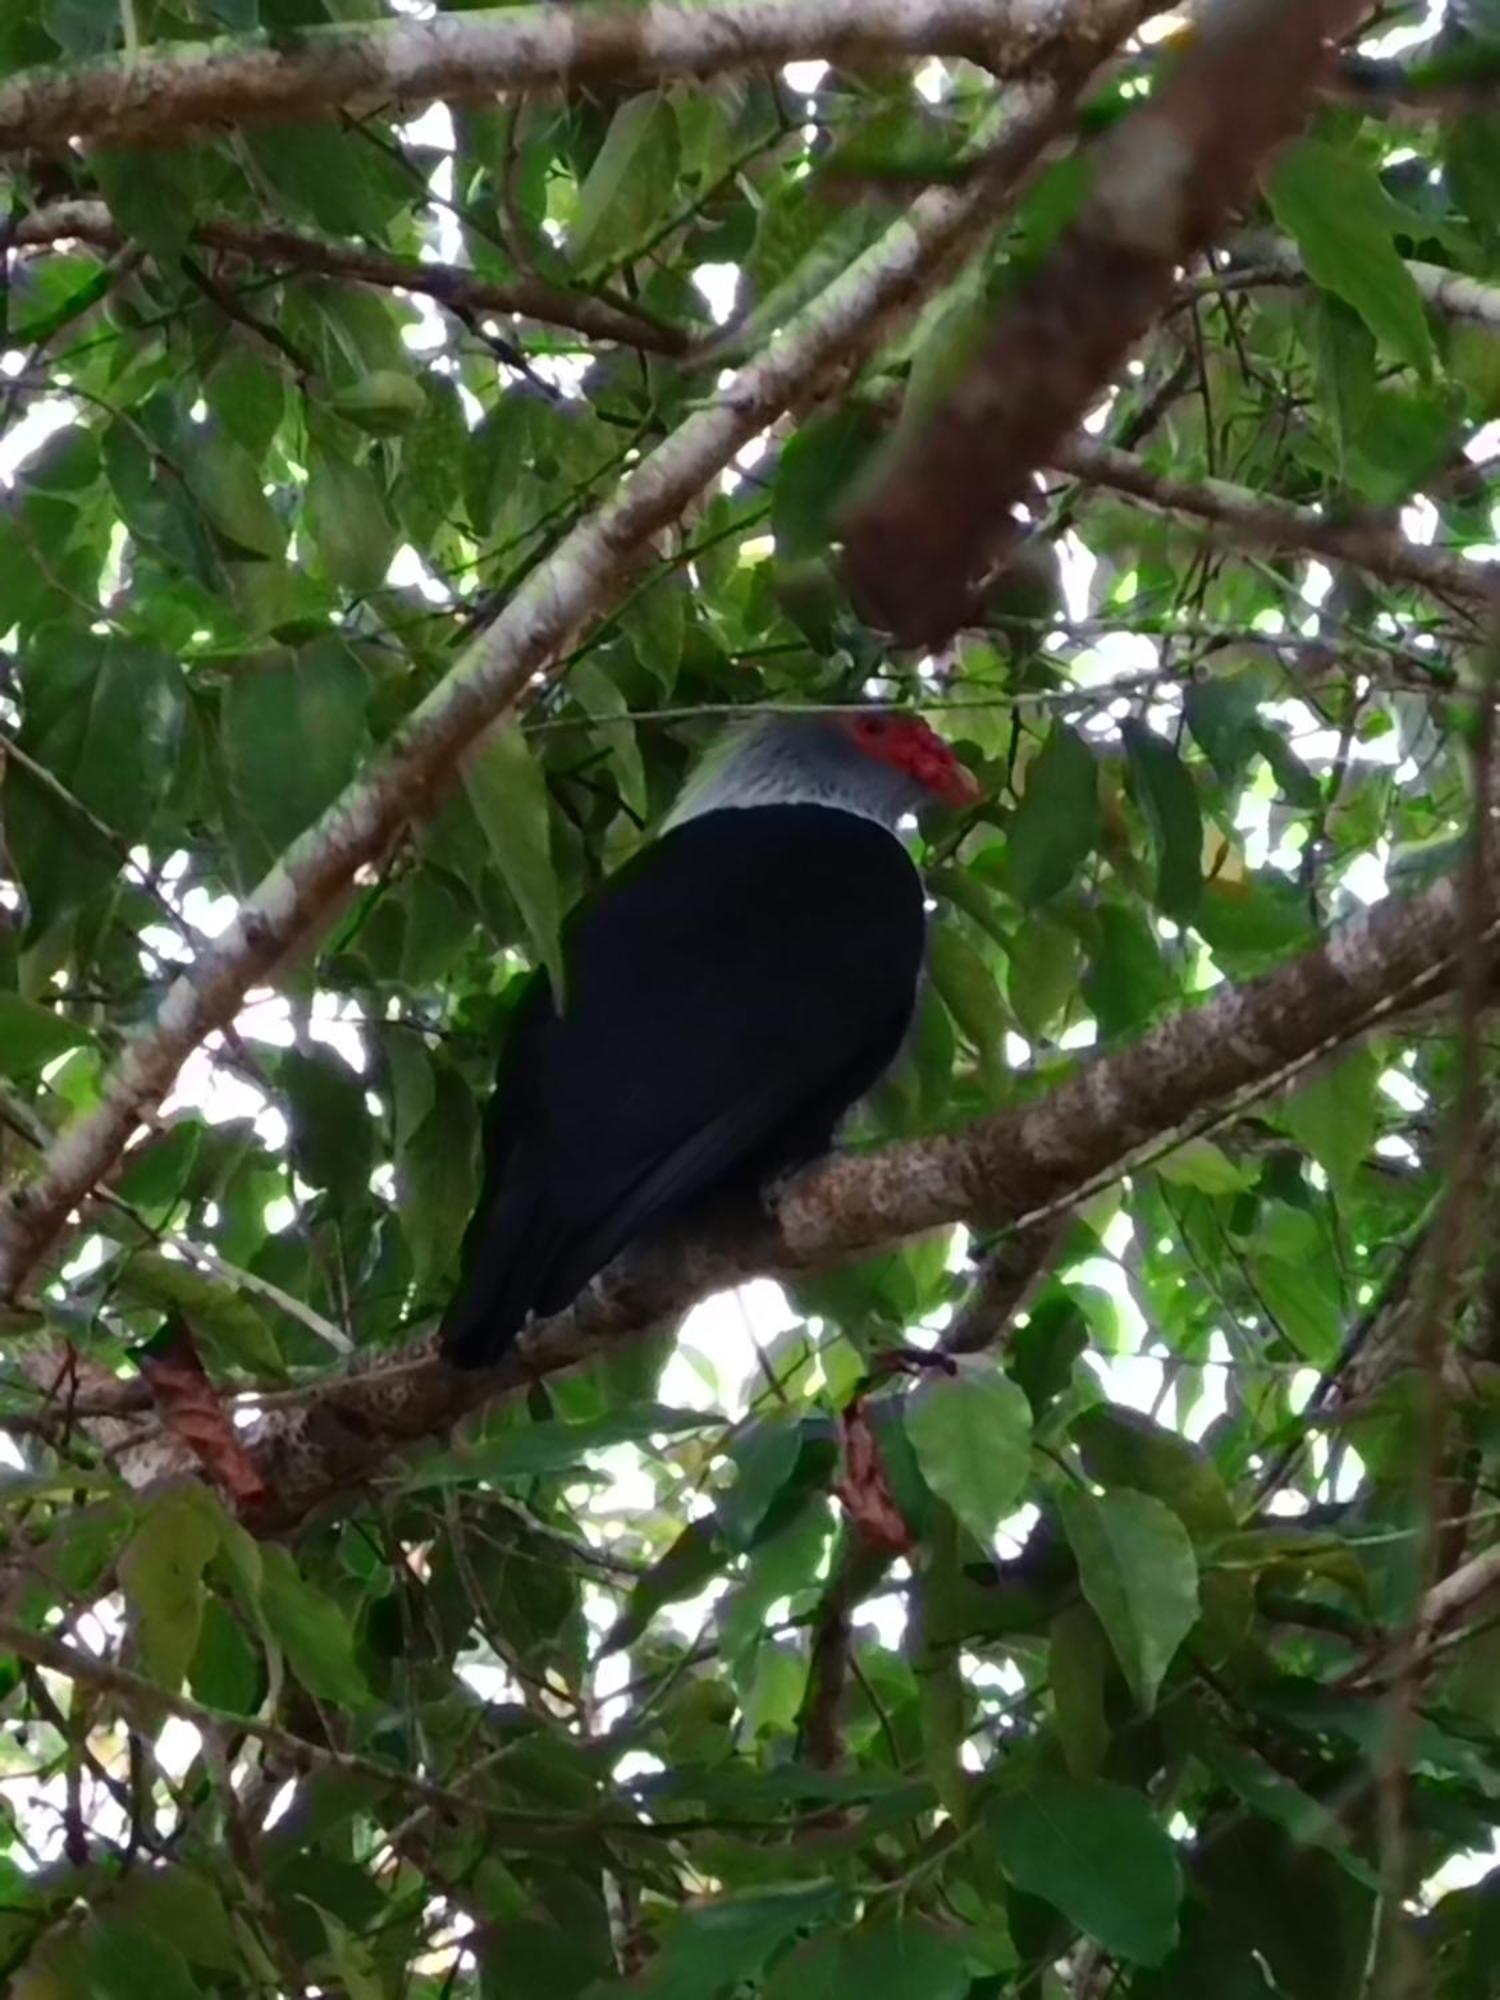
[(503, 664), (155, 98), (941, 503), (449, 284), (1014, 1171), (1244, 516)]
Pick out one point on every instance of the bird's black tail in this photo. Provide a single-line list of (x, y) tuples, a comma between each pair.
[(507, 1257)]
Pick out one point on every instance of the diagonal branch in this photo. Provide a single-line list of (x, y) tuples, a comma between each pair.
[(1013, 1171), (153, 98), (503, 665), (941, 501), (1247, 517), (449, 284)]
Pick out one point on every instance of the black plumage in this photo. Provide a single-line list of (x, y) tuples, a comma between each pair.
[(729, 995)]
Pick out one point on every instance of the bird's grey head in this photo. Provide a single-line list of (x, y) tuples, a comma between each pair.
[(876, 764)]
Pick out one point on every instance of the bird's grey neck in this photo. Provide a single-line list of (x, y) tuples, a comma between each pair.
[(790, 761)]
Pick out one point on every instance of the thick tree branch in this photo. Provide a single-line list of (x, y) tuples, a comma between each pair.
[(1012, 1171), (942, 498), (502, 666), (154, 98), (449, 284), (1243, 516)]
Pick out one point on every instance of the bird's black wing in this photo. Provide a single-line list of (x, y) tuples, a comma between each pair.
[(729, 995)]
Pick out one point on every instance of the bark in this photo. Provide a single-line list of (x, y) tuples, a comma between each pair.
[(942, 502), (505, 662), (158, 96), (449, 284), (1246, 517)]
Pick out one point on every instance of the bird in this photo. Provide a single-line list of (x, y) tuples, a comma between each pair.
[(729, 995)]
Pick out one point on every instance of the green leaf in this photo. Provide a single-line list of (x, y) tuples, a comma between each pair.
[(226, 482), (1345, 224), (508, 793), (1334, 1116), (1042, 973), (900, 1960), (1203, 1165), (128, 1962), (161, 1573), (347, 519), (1128, 980), (106, 718), (631, 176), (1057, 824), (709, 1949), (1167, 796), (293, 732), (1077, 1662), (818, 465), (230, 1329), (970, 994), (1265, 1791), (332, 1143), (1097, 1853), (437, 1178), (312, 1630), (30, 1036), (527, 1450), (971, 1432), (1138, 1571), (152, 194), (601, 697), (765, 1455)]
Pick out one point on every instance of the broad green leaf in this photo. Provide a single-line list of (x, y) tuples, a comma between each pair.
[(105, 717), (971, 995), (901, 1960), (225, 1322), (527, 1450), (348, 522), (30, 1036), (1344, 223), (1334, 1116), (437, 1177), (709, 1949), (126, 1961), (1077, 1665), (603, 699), (1128, 979), (1056, 826), (1264, 1790), (1200, 1164), (1125, 1447), (1097, 1853), (293, 734), (161, 1574), (971, 1432), (332, 1143), (1138, 1571), (226, 482), (1042, 973), (817, 466), (765, 1455), (312, 1630), (1168, 798), (508, 793), (629, 180)]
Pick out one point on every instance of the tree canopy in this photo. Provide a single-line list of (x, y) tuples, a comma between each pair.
[(422, 430)]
